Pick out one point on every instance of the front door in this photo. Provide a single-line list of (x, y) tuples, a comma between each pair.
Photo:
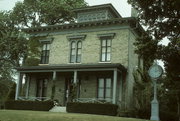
[(68, 89)]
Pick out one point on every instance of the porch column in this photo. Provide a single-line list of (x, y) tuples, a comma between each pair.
[(75, 77), (114, 86), (28, 83), (18, 85), (121, 91), (54, 75)]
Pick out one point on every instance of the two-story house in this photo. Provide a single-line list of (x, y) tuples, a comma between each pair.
[(95, 54)]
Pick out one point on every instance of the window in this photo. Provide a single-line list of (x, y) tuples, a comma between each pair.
[(105, 50), (75, 54), (41, 88), (104, 88), (45, 53)]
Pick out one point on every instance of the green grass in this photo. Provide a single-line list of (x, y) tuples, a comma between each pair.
[(19, 115)]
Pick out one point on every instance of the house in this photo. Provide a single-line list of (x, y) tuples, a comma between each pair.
[(90, 60)]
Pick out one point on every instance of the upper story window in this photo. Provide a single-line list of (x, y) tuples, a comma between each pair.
[(105, 50), (45, 53), (75, 54), (106, 45), (76, 47), (45, 50)]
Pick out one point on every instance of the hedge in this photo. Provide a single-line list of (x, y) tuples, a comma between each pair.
[(92, 108), (29, 105)]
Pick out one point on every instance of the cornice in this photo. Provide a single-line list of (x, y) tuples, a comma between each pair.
[(129, 21)]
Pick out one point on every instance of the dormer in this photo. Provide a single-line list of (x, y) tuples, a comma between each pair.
[(96, 13)]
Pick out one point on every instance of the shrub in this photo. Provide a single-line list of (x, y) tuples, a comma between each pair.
[(11, 94), (92, 108), (29, 105), (168, 116)]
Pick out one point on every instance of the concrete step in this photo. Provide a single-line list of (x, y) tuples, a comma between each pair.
[(58, 109)]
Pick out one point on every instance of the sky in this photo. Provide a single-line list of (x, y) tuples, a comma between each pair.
[(121, 5)]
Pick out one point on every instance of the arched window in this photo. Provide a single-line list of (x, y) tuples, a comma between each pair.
[(79, 47), (73, 52)]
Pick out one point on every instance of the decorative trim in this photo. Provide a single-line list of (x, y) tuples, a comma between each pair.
[(47, 40), (79, 37), (51, 28), (106, 35)]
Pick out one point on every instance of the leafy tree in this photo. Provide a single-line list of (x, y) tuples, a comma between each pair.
[(14, 45), (12, 49), (161, 18), (33, 13)]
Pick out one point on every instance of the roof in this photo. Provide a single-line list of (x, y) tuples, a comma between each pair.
[(131, 21), (71, 67), (102, 6)]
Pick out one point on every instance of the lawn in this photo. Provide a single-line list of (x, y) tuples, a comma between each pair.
[(19, 115)]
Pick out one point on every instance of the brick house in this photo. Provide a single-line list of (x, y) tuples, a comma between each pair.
[(95, 55)]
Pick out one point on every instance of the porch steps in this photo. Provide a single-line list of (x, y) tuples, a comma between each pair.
[(58, 109)]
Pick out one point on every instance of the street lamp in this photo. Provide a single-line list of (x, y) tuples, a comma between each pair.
[(155, 72)]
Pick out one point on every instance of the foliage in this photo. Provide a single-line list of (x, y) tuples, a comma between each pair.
[(147, 49), (12, 49), (161, 19), (14, 45), (160, 16), (31, 61), (92, 108), (29, 105), (33, 13), (11, 94), (142, 93)]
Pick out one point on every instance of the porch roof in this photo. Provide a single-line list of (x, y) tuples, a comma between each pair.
[(72, 67)]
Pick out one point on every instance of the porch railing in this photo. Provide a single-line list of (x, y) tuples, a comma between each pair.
[(34, 98), (92, 100)]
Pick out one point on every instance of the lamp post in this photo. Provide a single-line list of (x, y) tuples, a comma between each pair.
[(155, 72)]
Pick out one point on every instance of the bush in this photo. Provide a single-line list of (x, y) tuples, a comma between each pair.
[(168, 116), (92, 108), (29, 105), (11, 94)]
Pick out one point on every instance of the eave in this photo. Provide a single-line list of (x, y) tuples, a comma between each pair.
[(131, 21), (71, 67)]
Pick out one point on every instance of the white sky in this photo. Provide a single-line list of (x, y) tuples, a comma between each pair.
[(121, 5)]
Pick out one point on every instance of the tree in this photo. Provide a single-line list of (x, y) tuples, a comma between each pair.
[(14, 45), (161, 18), (33, 13), (12, 49)]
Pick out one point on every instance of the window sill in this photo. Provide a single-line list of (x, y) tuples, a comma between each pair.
[(74, 63), (105, 62)]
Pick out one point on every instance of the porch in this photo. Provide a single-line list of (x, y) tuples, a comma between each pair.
[(88, 83)]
